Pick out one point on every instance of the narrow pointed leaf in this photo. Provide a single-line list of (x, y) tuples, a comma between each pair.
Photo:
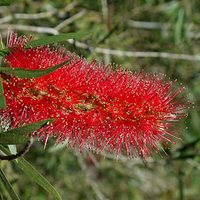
[(33, 173), (1, 198), (49, 40), (56, 38), (29, 128), (2, 45), (4, 52), (6, 2), (29, 73), (8, 186), (179, 26), (6, 139), (2, 97)]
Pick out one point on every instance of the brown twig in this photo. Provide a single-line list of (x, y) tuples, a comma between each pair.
[(21, 153)]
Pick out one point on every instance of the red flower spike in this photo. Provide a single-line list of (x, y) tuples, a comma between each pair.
[(96, 107)]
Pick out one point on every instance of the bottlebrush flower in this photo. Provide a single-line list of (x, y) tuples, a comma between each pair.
[(96, 107)]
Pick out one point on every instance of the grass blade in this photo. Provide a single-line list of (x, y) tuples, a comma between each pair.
[(8, 186)]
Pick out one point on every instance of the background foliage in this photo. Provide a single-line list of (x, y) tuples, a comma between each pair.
[(158, 35)]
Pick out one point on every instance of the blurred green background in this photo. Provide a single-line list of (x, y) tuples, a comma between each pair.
[(161, 36)]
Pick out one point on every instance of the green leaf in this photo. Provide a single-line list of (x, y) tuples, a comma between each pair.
[(49, 40), (2, 97), (1, 198), (2, 45), (6, 2), (29, 73), (56, 38), (33, 173), (4, 52), (6, 139), (29, 128), (179, 26), (8, 186)]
